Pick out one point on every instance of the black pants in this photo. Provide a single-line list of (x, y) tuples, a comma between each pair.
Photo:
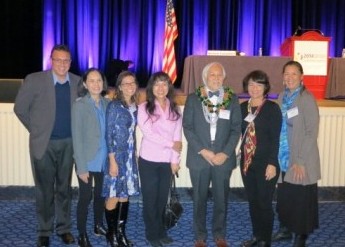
[(155, 180), (260, 195), (52, 176), (85, 197)]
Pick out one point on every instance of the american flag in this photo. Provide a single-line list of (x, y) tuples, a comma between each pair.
[(170, 34)]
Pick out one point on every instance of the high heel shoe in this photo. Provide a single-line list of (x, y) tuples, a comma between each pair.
[(250, 242), (100, 230), (83, 241)]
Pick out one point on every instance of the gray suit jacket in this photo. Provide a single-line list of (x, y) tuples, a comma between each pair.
[(35, 107), (86, 131), (303, 144), (197, 133)]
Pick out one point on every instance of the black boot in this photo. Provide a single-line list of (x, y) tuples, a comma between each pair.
[(83, 241), (300, 240), (111, 217), (282, 234), (121, 230)]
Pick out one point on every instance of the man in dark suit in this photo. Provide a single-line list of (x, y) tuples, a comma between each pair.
[(212, 126), (43, 105)]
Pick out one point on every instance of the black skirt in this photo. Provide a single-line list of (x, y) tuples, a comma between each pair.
[(297, 207)]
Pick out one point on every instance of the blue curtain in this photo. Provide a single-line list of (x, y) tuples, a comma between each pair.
[(98, 31), (326, 16)]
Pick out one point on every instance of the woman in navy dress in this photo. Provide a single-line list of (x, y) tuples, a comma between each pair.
[(121, 177)]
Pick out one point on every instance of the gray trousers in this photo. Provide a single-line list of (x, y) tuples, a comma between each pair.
[(219, 176)]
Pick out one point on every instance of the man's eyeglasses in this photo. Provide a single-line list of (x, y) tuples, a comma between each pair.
[(61, 61)]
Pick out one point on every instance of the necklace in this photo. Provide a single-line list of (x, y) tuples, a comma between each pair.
[(223, 102), (210, 110), (256, 107)]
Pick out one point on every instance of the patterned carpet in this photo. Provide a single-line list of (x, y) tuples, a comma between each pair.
[(18, 224)]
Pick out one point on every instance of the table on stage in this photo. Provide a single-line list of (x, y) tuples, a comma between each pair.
[(336, 78), (236, 68)]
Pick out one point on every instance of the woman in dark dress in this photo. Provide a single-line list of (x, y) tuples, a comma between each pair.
[(121, 178), (259, 157)]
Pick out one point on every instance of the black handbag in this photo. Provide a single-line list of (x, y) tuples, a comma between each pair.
[(173, 209)]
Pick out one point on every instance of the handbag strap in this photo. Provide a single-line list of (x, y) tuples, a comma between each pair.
[(243, 136), (173, 183), (172, 187)]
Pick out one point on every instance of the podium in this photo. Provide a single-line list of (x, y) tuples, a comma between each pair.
[(311, 49)]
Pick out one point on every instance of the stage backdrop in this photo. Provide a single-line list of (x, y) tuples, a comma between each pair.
[(98, 31)]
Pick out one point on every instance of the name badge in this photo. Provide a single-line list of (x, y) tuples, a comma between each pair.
[(224, 114), (293, 112), (250, 117)]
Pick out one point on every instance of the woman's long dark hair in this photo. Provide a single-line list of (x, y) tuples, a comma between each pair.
[(150, 98)]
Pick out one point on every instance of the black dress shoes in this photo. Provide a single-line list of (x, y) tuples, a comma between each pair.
[(43, 241), (67, 238), (282, 234), (83, 241), (264, 244), (254, 242), (166, 240), (300, 240), (250, 242), (155, 243), (100, 230)]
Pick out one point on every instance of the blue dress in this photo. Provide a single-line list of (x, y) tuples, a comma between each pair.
[(120, 136)]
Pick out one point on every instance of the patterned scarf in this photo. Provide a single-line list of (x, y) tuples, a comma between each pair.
[(250, 140), (284, 151)]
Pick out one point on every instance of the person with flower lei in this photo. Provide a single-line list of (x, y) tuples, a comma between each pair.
[(212, 125), (225, 95)]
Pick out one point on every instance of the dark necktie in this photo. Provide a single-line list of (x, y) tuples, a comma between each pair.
[(210, 94)]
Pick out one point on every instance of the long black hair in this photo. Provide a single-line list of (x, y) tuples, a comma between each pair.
[(150, 98)]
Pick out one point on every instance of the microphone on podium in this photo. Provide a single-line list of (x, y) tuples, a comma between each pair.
[(298, 31)]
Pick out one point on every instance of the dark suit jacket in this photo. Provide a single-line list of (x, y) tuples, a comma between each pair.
[(197, 133), (35, 107)]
